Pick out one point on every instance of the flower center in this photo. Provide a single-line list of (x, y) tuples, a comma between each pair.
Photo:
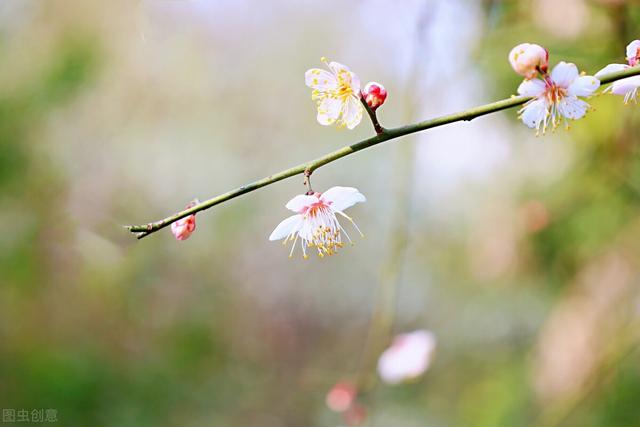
[(553, 92), (326, 234), (314, 209), (327, 240), (344, 86)]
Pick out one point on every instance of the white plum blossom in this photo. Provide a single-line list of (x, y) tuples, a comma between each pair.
[(408, 357), (337, 94), (528, 59), (556, 97), (626, 87), (315, 223)]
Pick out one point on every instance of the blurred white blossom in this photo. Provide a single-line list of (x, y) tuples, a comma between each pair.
[(626, 87), (408, 357)]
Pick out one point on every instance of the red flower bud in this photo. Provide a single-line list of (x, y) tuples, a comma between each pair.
[(183, 228), (374, 94)]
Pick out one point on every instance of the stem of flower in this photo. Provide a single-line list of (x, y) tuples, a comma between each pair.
[(543, 73), (385, 135), (373, 116), (307, 181)]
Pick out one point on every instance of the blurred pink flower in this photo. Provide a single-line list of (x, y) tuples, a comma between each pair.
[(374, 94), (183, 228), (337, 94), (527, 59), (355, 415), (626, 87), (341, 396), (315, 222), (408, 357), (556, 97)]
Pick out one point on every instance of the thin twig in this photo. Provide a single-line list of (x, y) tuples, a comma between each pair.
[(386, 135), (373, 116)]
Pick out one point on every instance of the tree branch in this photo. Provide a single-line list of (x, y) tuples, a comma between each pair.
[(385, 135)]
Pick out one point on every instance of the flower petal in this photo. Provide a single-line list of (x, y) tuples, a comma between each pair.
[(564, 73), (534, 112), (611, 68), (355, 83), (319, 79), (532, 87), (341, 198), (352, 112), (632, 49), (572, 108), (286, 227), (624, 86), (300, 202), (329, 110), (583, 86), (338, 68)]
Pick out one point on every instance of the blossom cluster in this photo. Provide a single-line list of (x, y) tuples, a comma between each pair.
[(626, 87), (556, 97)]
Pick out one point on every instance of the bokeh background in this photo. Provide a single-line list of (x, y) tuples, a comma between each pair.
[(520, 253)]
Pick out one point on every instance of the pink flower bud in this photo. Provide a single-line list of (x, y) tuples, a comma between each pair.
[(341, 396), (183, 228), (374, 94), (527, 59)]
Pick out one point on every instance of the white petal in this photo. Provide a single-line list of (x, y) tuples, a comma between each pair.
[(611, 68), (341, 198), (572, 107), (352, 112), (301, 201), (286, 227), (624, 86), (329, 110), (338, 68), (564, 73), (583, 86), (355, 83), (319, 79), (534, 112), (632, 48), (532, 87), (350, 78)]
